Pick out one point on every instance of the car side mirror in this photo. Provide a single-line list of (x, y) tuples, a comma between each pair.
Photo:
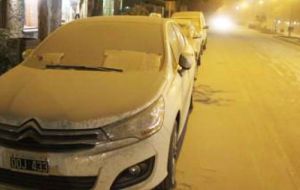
[(206, 27), (184, 62), (26, 53), (197, 36)]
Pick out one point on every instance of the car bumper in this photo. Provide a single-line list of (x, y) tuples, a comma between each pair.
[(106, 166)]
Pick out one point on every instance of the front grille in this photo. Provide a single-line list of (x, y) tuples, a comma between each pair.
[(34, 146), (30, 136), (46, 182)]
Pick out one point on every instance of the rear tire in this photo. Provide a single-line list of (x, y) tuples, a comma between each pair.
[(205, 46), (170, 181), (191, 104), (199, 61)]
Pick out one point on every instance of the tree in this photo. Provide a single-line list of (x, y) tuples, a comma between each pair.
[(56, 14), (43, 15), (182, 4), (137, 10), (3, 51), (15, 17), (207, 6), (96, 8), (50, 13), (2, 13)]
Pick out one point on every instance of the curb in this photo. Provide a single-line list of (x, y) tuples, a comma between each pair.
[(292, 40)]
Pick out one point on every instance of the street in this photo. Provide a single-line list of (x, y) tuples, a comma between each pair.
[(243, 133), (150, 94)]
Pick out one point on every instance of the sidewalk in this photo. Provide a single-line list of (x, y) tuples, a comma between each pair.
[(295, 38)]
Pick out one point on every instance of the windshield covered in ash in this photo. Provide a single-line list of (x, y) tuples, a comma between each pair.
[(87, 43)]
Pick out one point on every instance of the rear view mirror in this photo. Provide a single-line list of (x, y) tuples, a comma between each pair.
[(206, 27), (197, 36), (184, 62), (26, 53)]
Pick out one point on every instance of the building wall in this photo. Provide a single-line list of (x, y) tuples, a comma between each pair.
[(108, 7), (31, 14), (25, 15), (73, 9), (112, 7), (170, 8), (2, 13)]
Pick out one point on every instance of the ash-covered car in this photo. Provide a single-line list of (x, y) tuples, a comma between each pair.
[(198, 20), (193, 37), (99, 104)]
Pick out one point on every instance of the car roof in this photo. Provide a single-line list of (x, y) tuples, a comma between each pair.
[(183, 22), (193, 14), (124, 19)]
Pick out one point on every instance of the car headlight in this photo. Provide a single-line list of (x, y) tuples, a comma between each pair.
[(140, 126)]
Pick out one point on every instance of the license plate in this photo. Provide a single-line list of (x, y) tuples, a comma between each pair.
[(29, 165)]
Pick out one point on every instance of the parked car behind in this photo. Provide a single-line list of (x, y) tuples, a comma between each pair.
[(99, 104), (155, 15), (189, 30), (198, 20)]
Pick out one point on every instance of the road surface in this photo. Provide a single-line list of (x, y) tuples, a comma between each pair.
[(244, 131)]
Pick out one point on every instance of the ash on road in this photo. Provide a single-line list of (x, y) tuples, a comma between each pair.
[(244, 131)]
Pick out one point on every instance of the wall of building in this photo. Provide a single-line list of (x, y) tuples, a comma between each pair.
[(108, 7), (31, 14), (27, 16), (2, 13)]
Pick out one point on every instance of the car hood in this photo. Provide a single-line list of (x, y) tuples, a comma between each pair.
[(75, 99)]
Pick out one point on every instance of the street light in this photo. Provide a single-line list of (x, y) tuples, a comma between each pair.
[(261, 2), (244, 5)]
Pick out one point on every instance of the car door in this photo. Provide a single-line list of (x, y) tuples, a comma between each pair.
[(178, 44), (195, 39), (187, 75)]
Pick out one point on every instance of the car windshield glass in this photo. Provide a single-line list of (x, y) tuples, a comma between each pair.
[(195, 22), (83, 68), (86, 43)]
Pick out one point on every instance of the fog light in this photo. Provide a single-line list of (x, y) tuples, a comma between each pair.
[(135, 170), (134, 174)]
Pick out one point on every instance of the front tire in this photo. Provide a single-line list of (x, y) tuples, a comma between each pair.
[(205, 46), (191, 104), (199, 61), (170, 181)]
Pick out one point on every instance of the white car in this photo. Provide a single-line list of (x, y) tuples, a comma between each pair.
[(197, 18), (99, 104), (155, 15), (196, 41)]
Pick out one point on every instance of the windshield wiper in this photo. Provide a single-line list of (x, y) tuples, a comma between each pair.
[(83, 68)]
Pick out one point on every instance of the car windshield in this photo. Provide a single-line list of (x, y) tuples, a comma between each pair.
[(195, 22), (90, 43)]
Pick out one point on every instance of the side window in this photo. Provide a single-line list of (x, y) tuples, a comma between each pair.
[(173, 40), (181, 38), (202, 20)]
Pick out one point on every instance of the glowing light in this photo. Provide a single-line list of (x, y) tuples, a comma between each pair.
[(261, 2), (222, 23), (245, 5)]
